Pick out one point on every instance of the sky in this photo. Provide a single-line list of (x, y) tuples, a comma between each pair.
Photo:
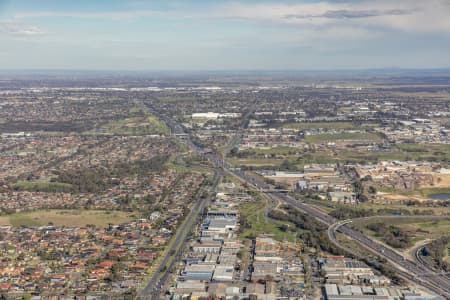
[(194, 35)]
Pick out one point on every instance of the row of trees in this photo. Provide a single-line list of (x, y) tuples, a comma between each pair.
[(393, 235), (94, 180), (438, 250), (313, 232), (346, 212)]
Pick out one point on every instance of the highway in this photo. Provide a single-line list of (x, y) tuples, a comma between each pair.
[(158, 279), (437, 283), (417, 273), (409, 270), (419, 260)]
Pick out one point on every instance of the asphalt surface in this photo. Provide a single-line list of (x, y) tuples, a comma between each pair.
[(434, 282), (419, 260), (154, 286), (417, 273), (153, 289)]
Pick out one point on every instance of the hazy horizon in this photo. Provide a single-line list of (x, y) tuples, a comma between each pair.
[(224, 35)]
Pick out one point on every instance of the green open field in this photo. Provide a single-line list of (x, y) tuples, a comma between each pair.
[(139, 122), (325, 137), (172, 165), (254, 214), (430, 152), (435, 190), (418, 229), (437, 210), (275, 150), (66, 217), (420, 192), (425, 152), (255, 162), (298, 156), (329, 206), (324, 125)]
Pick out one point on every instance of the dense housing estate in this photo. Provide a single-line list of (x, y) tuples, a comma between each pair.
[(193, 190)]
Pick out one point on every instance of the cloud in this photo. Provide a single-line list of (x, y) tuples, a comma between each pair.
[(352, 14), (416, 16), (19, 29), (405, 15)]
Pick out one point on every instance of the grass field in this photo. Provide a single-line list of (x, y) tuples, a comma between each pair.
[(438, 210), (172, 165), (330, 206), (298, 157), (70, 218), (434, 190), (254, 213), (139, 122), (255, 162), (326, 137), (420, 193), (418, 228), (358, 250), (275, 150), (424, 152), (324, 125)]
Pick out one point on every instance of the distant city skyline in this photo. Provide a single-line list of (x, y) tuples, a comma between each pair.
[(195, 35)]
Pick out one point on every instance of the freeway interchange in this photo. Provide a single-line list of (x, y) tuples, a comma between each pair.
[(435, 282), (419, 273), (405, 268)]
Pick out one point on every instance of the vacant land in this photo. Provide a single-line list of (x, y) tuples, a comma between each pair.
[(324, 125), (139, 122), (71, 218), (256, 162), (381, 209), (431, 152), (416, 228), (327, 137), (281, 150), (257, 222)]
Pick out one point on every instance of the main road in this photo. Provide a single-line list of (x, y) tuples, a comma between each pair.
[(407, 269), (435, 282), (159, 277), (416, 254)]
